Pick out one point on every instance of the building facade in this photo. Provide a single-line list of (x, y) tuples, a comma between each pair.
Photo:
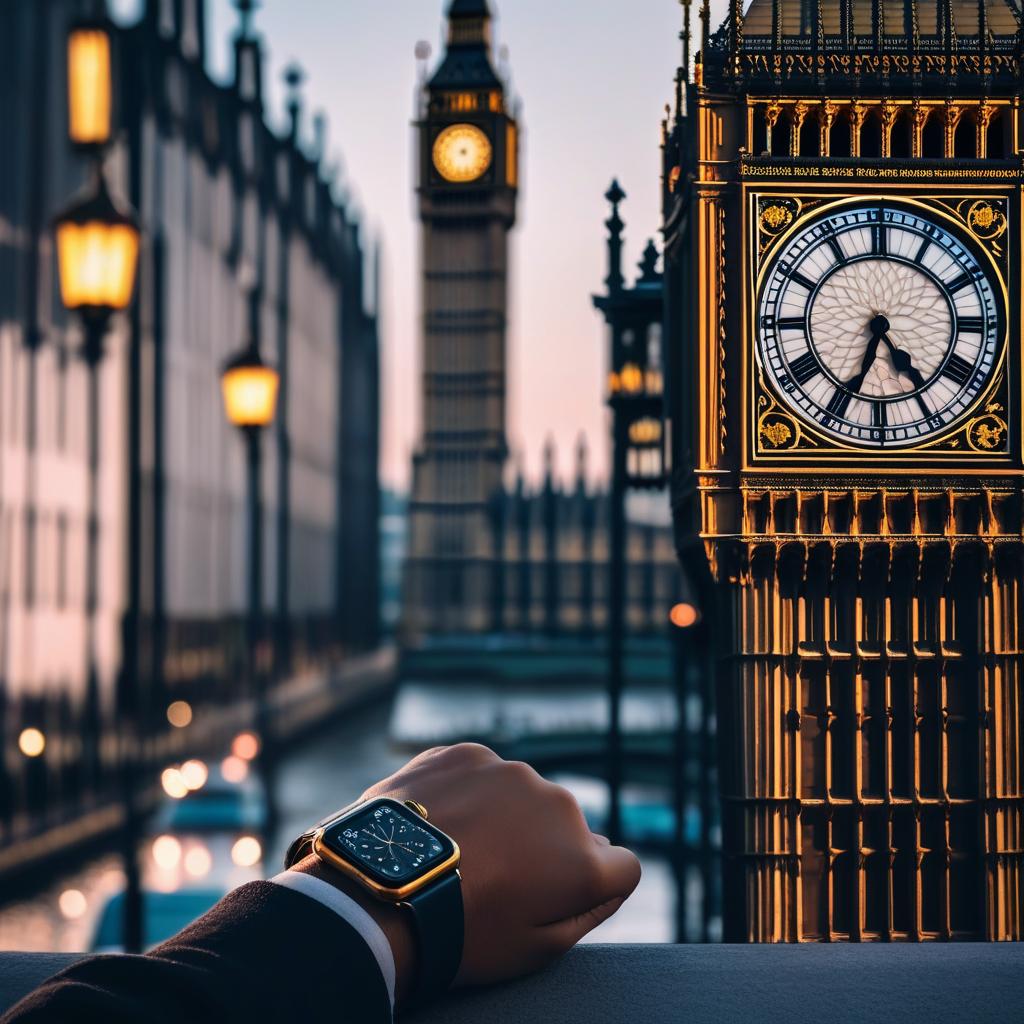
[(842, 215), (242, 236)]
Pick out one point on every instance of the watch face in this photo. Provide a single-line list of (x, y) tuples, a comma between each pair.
[(462, 152), (389, 842), (879, 325)]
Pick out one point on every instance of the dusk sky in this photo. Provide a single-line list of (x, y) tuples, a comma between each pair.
[(593, 77)]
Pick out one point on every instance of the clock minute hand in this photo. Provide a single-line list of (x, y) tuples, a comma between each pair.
[(878, 328)]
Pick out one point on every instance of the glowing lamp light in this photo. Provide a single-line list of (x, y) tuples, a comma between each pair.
[(631, 379), (198, 861), (645, 431), (166, 852), (179, 713), (72, 903), (234, 769), (173, 783), (246, 852), (249, 387), (245, 745), (31, 742), (97, 252), (194, 774), (89, 84), (683, 615)]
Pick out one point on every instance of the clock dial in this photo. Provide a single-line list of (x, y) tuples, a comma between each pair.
[(392, 844), (879, 325), (462, 153)]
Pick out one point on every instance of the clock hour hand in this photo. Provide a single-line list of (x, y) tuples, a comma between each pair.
[(903, 363)]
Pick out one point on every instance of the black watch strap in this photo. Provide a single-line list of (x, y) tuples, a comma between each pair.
[(438, 922)]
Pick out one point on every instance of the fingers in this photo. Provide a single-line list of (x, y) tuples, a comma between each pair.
[(563, 935), (621, 870)]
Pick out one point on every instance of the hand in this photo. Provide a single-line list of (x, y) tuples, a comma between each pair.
[(904, 364), (535, 879)]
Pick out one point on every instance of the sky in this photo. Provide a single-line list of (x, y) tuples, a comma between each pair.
[(593, 77)]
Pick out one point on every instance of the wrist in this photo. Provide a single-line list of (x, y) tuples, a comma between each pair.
[(392, 920)]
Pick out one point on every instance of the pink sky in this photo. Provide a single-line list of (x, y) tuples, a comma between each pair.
[(593, 76)]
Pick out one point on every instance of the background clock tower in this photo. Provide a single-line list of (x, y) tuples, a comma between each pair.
[(468, 180), (843, 280)]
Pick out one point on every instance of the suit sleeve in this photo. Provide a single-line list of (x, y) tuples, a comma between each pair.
[(263, 953)]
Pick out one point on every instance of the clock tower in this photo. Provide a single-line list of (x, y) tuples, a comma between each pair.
[(843, 271), (468, 182)]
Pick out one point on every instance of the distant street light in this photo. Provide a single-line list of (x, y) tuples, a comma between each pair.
[(89, 83), (249, 387)]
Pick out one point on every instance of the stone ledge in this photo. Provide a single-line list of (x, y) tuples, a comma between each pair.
[(978, 983)]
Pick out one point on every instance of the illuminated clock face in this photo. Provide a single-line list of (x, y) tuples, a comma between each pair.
[(390, 843), (462, 153), (879, 325)]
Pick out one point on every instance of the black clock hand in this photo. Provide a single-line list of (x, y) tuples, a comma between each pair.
[(878, 328), (903, 363)]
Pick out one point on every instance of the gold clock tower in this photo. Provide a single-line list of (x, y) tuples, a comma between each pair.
[(468, 181), (844, 277)]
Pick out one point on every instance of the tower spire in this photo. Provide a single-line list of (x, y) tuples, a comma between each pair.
[(614, 224), (469, 23)]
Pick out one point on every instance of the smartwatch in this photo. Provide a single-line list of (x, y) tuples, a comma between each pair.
[(391, 850)]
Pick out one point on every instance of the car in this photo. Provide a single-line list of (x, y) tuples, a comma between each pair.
[(216, 806), (163, 914)]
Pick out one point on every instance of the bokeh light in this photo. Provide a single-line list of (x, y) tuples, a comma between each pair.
[(31, 742), (245, 745), (234, 769), (179, 713), (72, 903), (246, 852), (173, 782), (166, 852), (683, 615), (198, 861), (194, 773)]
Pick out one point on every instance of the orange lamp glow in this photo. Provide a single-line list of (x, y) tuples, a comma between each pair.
[(89, 84), (683, 615), (631, 378), (97, 252), (250, 388)]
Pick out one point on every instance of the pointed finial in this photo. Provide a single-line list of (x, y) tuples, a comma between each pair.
[(614, 224), (705, 26), (686, 37), (649, 262), (293, 77), (736, 35), (582, 454), (246, 9)]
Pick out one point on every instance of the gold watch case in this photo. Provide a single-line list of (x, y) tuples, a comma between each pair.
[(383, 892)]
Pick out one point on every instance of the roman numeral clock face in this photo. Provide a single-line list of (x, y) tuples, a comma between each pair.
[(879, 326)]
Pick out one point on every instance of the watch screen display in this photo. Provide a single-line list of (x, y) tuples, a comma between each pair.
[(388, 842)]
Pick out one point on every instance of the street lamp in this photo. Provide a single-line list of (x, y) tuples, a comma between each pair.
[(249, 387), (89, 82)]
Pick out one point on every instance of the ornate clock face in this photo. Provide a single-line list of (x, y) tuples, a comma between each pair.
[(462, 153), (879, 325)]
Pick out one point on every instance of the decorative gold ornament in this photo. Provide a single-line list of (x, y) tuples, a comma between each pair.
[(987, 433), (985, 220), (774, 217)]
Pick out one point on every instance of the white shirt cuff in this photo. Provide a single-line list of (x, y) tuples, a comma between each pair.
[(347, 909)]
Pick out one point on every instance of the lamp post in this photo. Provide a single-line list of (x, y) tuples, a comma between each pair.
[(249, 387), (635, 386), (97, 256)]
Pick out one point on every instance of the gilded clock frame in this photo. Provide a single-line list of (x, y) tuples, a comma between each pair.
[(776, 439)]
